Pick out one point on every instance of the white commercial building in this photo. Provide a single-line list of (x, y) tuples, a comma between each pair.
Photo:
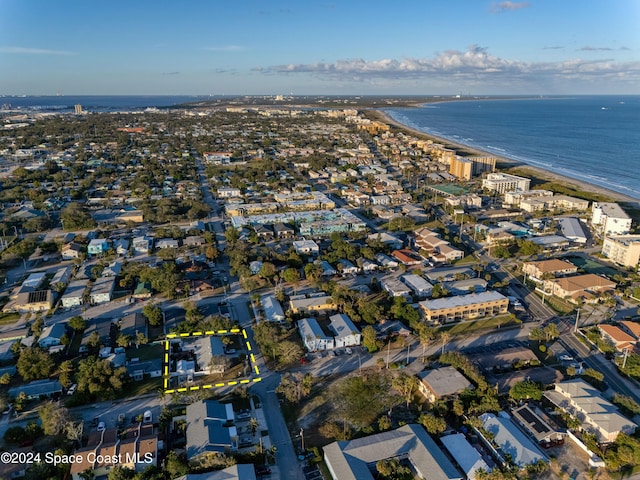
[(503, 182), (610, 219)]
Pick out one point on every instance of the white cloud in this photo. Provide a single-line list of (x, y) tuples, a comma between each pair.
[(475, 65), (34, 51)]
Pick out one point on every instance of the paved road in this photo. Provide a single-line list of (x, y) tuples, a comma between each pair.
[(597, 361)]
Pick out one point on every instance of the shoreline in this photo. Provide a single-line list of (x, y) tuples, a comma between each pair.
[(504, 163)]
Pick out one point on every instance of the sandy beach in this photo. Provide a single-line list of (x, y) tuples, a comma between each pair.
[(504, 163)]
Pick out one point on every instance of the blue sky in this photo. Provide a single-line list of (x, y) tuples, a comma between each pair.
[(328, 47)]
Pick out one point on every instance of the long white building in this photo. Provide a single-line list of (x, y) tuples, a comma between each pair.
[(503, 182)]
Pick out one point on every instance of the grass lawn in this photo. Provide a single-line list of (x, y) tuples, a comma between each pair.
[(148, 385), (7, 318), (467, 260), (146, 352), (482, 324)]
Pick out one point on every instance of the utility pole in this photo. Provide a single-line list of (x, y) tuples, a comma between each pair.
[(302, 439), (575, 327), (408, 349), (388, 353), (624, 360)]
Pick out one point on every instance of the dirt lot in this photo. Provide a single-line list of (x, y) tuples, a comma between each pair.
[(567, 461)]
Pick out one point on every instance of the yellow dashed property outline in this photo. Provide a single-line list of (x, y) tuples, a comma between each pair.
[(165, 366)]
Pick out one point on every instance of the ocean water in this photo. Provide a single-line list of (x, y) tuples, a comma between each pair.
[(592, 138), (96, 103)]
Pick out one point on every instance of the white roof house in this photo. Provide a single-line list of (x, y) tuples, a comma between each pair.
[(467, 457), (345, 332), (417, 284), (395, 287), (272, 309), (313, 336), (511, 439), (306, 247)]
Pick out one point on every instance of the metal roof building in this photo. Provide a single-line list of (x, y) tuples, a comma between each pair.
[(467, 457), (511, 439), (356, 459)]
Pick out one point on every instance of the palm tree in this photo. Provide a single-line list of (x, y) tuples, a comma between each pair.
[(254, 425)]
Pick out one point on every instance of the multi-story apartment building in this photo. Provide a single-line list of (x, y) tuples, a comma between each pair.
[(553, 267), (464, 307), (610, 219), (466, 168), (503, 182), (623, 250)]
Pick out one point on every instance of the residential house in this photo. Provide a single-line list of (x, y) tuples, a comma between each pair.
[(466, 456), (52, 335), (121, 246), (113, 269), (586, 403), (71, 251), (282, 230), (272, 309), (327, 269), (386, 261), (579, 286), (313, 337), (102, 290), (133, 324), (210, 428), (442, 382), (386, 238), (418, 285), (352, 459), (407, 257), (309, 304), (37, 390), (511, 440), (395, 287), (193, 241), (141, 370), (537, 427), (548, 268), (167, 243), (306, 247), (367, 265), (97, 246), (61, 278), (142, 245), (345, 333), (620, 339), (345, 267), (239, 471)]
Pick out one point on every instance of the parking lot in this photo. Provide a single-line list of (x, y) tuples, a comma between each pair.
[(312, 472)]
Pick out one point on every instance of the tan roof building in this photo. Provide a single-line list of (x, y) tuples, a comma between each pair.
[(618, 337), (553, 266), (632, 328), (442, 382), (622, 249), (578, 285)]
